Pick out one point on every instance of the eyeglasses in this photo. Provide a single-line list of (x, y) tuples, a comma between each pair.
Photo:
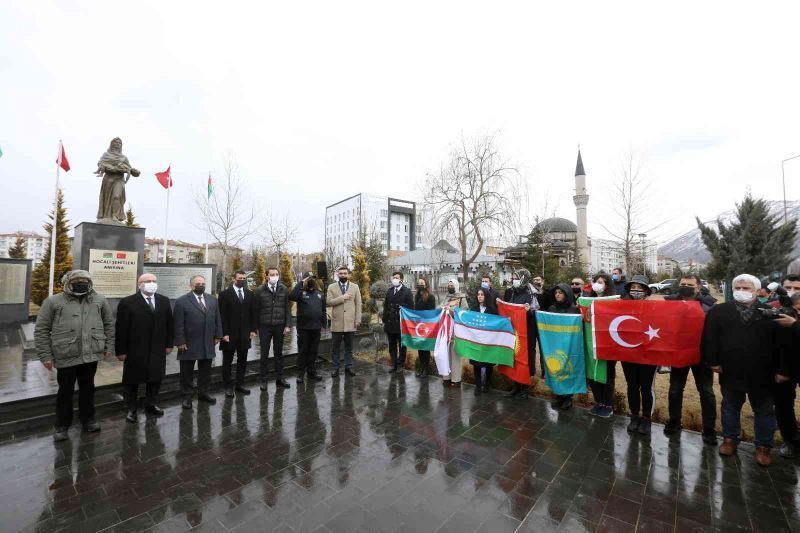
[(575, 284)]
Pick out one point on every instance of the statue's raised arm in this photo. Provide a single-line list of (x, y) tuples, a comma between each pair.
[(115, 169)]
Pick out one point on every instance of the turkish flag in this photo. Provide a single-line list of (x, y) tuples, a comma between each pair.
[(520, 372), (164, 178), (650, 332), (61, 160)]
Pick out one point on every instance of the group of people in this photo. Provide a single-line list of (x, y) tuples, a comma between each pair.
[(751, 343)]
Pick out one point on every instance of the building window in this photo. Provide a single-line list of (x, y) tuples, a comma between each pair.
[(383, 236), (406, 228), (406, 239), (383, 224), (384, 212)]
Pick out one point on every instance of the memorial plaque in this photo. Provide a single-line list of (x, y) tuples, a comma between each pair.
[(13, 283), (173, 278), (114, 272)]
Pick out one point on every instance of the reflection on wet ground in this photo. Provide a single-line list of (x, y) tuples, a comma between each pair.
[(385, 453)]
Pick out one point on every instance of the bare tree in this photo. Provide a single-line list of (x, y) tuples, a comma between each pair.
[(475, 195), (228, 215), (281, 232)]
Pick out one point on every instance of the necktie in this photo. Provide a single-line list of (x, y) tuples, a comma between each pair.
[(344, 288), (272, 289), (150, 303), (202, 303), (241, 295)]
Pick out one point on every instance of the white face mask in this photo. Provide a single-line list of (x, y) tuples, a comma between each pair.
[(273, 280), (151, 287), (792, 291), (598, 287), (743, 296), (516, 282), (395, 282)]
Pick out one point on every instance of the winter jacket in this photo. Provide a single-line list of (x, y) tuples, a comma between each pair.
[(73, 330), (143, 336), (273, 309), (345, 314), (706, 301), (310, 307), (391, 308), (568, 307), (421, 305)]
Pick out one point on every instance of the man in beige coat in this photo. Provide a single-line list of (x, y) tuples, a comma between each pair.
[(345, 300)]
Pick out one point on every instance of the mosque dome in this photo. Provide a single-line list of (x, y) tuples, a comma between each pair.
[(556, 225)]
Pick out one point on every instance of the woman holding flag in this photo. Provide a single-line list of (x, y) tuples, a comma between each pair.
[(423, 299), (522, 292), (603, 393), (483, 371), (453, 299), (565, 304)]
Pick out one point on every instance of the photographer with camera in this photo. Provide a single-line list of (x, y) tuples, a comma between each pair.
[(785, 392)]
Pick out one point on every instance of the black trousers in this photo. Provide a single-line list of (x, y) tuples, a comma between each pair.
[(784, 395), (274, 334), (307, 350), (83, 374), (396, 350), (203, 376), (483, 373), (132, 393), (704, 380), (241, 366), (641, 396), (424, 359), (336, 339), (604, 392)]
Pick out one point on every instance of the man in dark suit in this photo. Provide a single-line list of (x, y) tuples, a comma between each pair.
[(142, 341), (237, 309), (397, 296), (272, 320), (198, 328)]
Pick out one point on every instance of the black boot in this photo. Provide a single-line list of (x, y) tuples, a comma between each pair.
[(516, 388), (487, 379)]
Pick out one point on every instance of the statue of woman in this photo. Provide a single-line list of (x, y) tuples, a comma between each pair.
[(116, 170)]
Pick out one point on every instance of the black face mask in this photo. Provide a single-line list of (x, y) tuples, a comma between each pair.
[(421, 287), (310, 286), (342, 280), (576, 291), (199, 289), (80, 288), (686, 292), (241, 283), (451, 290)]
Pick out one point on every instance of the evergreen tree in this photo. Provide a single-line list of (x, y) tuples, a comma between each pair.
[(236, 262), (285, 268), (260, 274), (19, 250), (536, 258), (130, 218), (40, 279), (361, 273), (755, 243)]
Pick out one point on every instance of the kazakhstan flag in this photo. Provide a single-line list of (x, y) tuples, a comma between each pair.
[(561, 344)]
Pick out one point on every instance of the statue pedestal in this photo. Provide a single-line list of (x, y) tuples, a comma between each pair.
[(113, 255)]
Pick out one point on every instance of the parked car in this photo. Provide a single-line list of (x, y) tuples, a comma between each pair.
[(666, 286)]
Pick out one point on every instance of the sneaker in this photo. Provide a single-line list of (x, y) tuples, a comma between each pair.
[(673, 427), (595, 410), (645, 425), (605, 411), (788, 450), (91, 426), (60, 434), (633, 425)]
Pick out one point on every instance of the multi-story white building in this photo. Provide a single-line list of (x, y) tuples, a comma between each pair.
[(397, 223), (608, 255), (177, 251), (34, 244)]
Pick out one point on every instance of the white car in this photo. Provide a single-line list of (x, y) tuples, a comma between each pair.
[(663, 284)]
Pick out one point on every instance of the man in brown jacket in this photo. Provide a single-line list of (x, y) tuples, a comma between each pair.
[(345, 300)]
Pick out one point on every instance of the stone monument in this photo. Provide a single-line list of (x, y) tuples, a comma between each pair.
[(15, 290), (116, 171)]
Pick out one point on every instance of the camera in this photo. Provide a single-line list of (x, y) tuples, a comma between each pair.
[(775, 312)]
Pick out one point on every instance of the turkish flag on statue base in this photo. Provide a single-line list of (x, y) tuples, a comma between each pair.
[(520, 372), (650, 332)]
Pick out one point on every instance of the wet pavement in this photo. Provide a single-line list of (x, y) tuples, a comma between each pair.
[(385, 453)]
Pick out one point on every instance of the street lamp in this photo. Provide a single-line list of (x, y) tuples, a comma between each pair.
[(783, 178)]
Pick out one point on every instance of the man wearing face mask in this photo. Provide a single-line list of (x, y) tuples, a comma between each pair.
[(524, 293), (237, 309), (785, 393), (74, 330), (486, 285), (619, 280), (143, 340), (741, 345), (344, 297), (312, 318), (198, 328), (577, 285), (272, 312), (397, 296), (689, 290)]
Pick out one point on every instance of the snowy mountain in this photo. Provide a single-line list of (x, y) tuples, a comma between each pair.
[(690, 246)]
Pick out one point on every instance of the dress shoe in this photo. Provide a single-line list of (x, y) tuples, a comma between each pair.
[(763, 456), (242, 390), (349, 372), (315, 377), (132, 416), (446, 382), (263, 385), (710, 438), (154, 410), (187, 404), (91, 426), (283, 384), (515, 389), (566, 404), (300, 380), (728, 447), (673, 427), (633, 425), (788, 450), (558, 402), (60, 434), (229, 392), (335, 373), (204, 397), (645, 425)]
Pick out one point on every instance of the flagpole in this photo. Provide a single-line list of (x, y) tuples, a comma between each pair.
[(205, 259), (55, 225), (166, 216)]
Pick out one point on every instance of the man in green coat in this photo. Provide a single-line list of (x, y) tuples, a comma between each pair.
[(74, 330)]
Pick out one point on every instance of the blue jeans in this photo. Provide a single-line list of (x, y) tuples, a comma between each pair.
[(763, 409)]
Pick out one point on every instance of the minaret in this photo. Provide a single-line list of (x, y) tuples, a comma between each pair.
[(581, 200)]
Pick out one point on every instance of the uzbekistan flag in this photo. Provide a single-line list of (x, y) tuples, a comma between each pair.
[(418, 329), (561, 344), (483, 337)]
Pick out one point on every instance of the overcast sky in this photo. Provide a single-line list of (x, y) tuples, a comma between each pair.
[(321, 100)]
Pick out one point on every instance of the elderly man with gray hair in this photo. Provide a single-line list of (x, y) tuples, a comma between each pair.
[(741, 344), (74, 330)]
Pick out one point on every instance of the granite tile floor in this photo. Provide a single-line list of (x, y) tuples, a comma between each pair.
[(391, 453)]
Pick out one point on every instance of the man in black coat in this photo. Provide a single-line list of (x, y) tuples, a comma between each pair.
[(397, 296), (486, 285), (272, 315), (143, 340), (237, 308), (312, 318)]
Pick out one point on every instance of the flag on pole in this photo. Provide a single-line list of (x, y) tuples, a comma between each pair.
[(650, 332), (165, 178), (210, 186), (419, 329), (519, 320), (561, 343), (595, 368), (483, 337), (61, 160)]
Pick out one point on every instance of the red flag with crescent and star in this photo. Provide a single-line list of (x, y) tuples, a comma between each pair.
[(650, 332)]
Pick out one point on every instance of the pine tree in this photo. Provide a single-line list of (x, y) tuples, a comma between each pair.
[(756, 243), (536, 258), (236, 262), (19, 250), (285, 267), (40, 280), (260, 274), (130, 218), (361, 272)]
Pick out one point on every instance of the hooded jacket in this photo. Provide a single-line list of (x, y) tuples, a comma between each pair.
[(568, 305), (72, 330)]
